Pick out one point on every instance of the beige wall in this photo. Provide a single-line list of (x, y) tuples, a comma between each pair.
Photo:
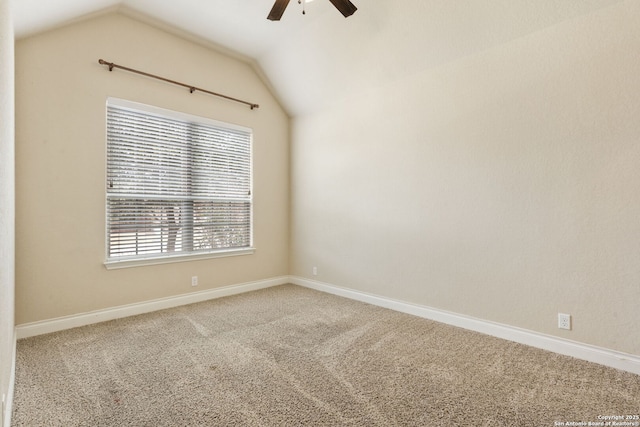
[(60, 163), (7, 204), (503, 186)]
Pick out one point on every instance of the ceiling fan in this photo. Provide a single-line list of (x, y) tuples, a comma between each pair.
[(344, 6)]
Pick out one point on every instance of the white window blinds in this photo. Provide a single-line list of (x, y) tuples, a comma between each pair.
[(176, 184)]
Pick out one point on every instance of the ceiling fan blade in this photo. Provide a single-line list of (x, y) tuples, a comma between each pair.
[(277, 10), (345, 7)]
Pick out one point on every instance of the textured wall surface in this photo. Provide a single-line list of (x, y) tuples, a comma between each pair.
[(60, 162), (502, 185), (7, 197)]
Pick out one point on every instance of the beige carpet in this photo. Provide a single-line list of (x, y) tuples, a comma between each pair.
[(289, 356)]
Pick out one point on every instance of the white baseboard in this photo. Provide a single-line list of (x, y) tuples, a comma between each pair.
[(8, 403), (67, 322), (603, 356)]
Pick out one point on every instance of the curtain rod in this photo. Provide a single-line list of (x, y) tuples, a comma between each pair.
[(191, 88)]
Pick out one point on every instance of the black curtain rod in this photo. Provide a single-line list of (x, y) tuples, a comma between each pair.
[(191, 88)]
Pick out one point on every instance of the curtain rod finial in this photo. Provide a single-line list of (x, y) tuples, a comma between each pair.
[(103, 62)]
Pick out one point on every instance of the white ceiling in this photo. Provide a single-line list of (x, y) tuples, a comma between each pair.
[(317, 59)]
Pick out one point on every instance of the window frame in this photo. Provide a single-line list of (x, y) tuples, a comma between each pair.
[(165, 258)]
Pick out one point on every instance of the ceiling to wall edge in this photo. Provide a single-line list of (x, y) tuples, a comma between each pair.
[(171, 29)]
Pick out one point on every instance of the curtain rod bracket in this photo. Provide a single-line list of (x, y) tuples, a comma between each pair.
[(191, 88), (110, 64)]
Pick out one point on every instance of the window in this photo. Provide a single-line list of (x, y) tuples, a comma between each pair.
[(177, 186)]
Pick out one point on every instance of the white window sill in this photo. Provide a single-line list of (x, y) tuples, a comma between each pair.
[(141, 262)]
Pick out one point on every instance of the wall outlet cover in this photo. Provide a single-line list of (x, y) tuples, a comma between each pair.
[(564, 321)]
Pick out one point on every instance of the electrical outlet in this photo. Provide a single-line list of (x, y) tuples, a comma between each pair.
[(564, 321), (315, 271), (194, 281)]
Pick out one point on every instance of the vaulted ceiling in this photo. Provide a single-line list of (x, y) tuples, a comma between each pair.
[(317, 59)]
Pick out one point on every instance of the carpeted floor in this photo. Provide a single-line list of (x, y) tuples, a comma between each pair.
[(290, 356)]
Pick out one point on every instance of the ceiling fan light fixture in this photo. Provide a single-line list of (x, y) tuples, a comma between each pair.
[(344, 6)]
